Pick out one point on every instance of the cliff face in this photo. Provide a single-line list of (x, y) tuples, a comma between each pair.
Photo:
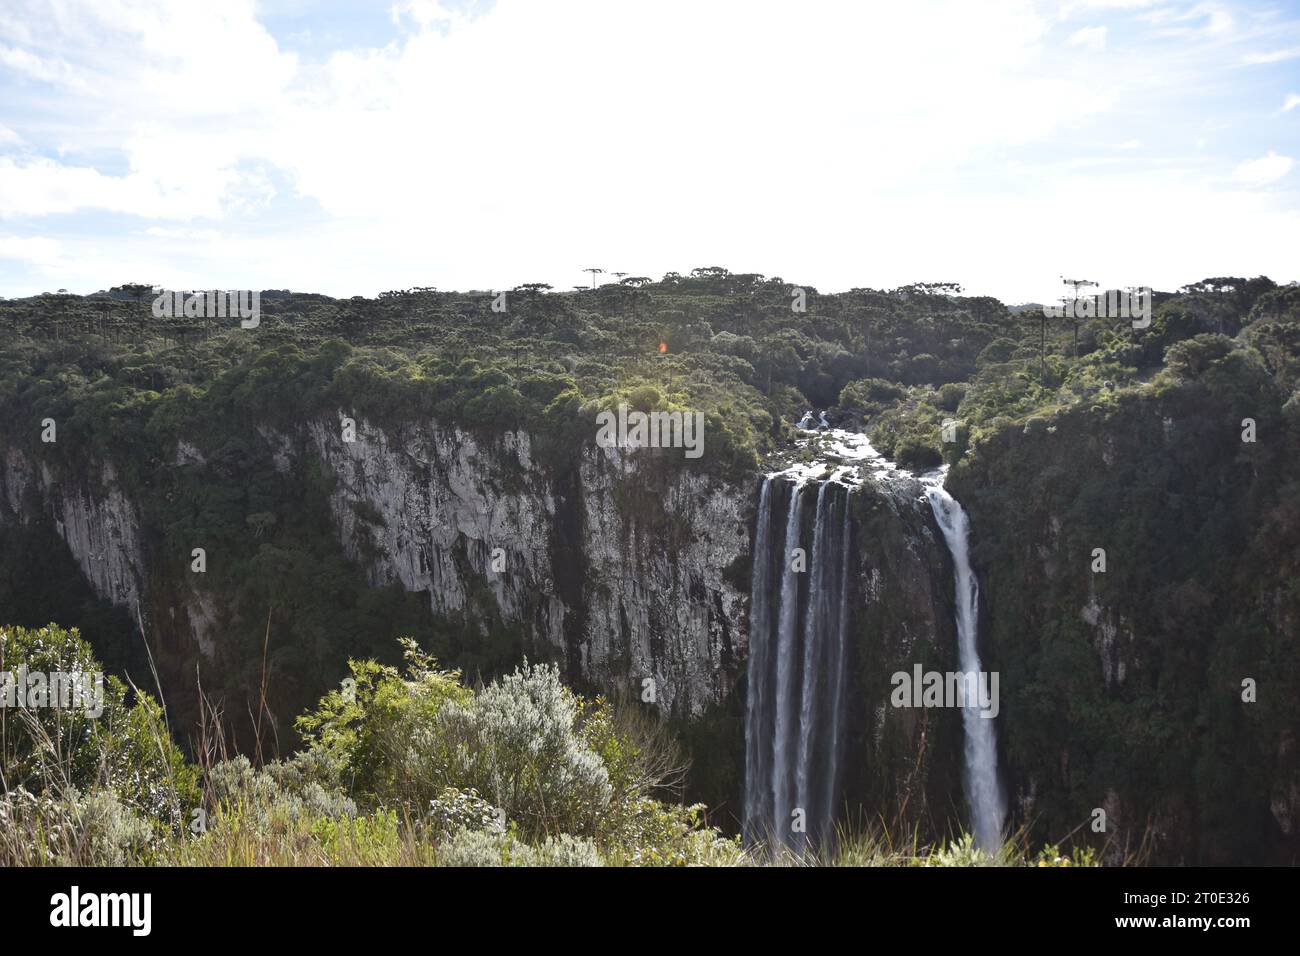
[(618, 568), (1138, 564), (907, 765), (96, 520)]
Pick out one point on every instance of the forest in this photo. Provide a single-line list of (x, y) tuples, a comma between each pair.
[(425, 758)]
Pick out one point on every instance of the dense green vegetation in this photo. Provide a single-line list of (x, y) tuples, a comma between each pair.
[(129, 388), (1185, 475), (401, 766), (1039, 406)]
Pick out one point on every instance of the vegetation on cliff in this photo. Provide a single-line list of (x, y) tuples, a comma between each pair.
[(402, 766), (1066, 437), (191, 413)]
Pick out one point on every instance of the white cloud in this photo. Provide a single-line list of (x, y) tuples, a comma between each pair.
[(181, 232), (42, 252), (1089, 38), (842, 146), (35, 67), (1069, 8), (43, 187), (1262, 171), (1272, 56), (524, 107), (1292, 101), (1211, 20)]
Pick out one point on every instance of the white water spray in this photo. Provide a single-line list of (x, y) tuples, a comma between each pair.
[(758, 731), (797, 666), (782, 770), (983, 789)]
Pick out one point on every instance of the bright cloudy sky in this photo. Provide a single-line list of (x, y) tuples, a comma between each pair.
[(349, 148)]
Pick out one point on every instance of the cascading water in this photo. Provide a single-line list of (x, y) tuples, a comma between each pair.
[(758, 730), (797, 664), (814, 648), (839, 672), (795, 724), (983, 789), (785, 663)]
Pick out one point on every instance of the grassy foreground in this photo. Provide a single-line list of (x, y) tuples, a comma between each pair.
[(405, 767)]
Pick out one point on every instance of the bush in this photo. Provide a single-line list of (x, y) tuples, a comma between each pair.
[(917, 455), (484, 848), (518, 744), (263, 803), (380, 737), (95, 829), (127, 748), (454, 810), (950, 396), (524, 753), (1191, 358)]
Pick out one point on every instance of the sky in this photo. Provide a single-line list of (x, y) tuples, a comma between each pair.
[(352, 148)]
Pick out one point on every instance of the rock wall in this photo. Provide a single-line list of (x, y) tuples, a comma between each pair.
[(96, 520), (1138, 567), (620, 566)]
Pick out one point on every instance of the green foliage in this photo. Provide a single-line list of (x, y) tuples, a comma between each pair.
[(126, 748), (1190, 358), (455, 810), (519, 745), (73, 829), (485, 848), (375, 735), (269, 799), (524, 750), (1154, 470)]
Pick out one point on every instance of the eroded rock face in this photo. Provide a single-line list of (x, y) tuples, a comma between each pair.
[(429, 509), (619, 566), (97, 521)]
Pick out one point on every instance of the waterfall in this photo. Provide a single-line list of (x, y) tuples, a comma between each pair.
[(785, 663), (797, 669), (983, 790), (758, 730), (839, 671), (814, 647)]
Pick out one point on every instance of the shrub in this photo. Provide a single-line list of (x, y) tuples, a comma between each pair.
[(518, 744), (651, 833), (264, 804), (950, 396), (485, 848), (127, 748), (917, 455), (72, 830), (381, 738), (454, 810)]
